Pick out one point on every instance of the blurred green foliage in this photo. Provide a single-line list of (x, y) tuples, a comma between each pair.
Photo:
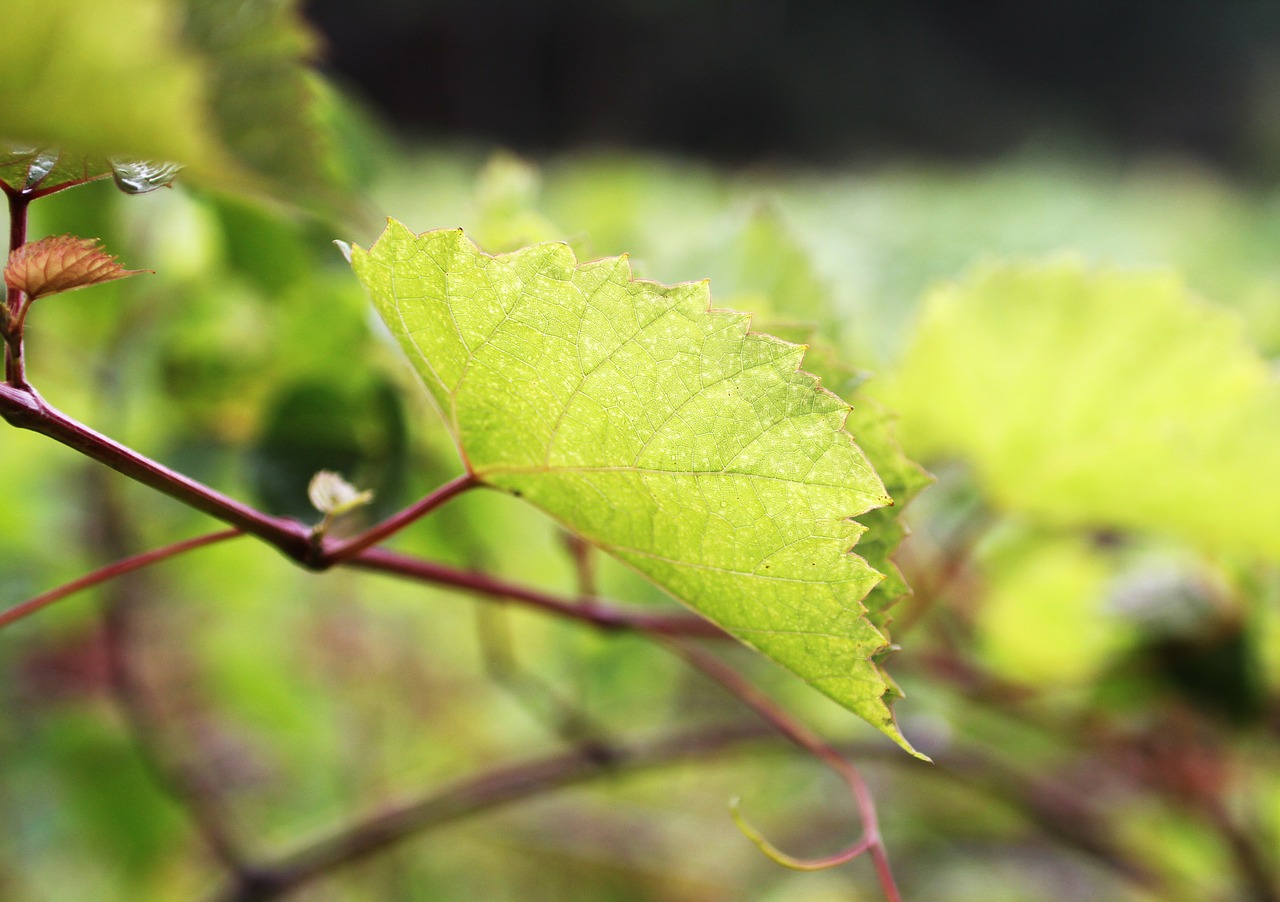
[(1091, 653)]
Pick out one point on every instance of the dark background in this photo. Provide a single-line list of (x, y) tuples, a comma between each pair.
[(822, 81)]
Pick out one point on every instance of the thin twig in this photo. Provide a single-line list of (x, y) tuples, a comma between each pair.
[(1257, 872), (173, 778), (595, 612), (870, 841), (14, 366), (491, 790), (344, 551), (1055, 811), (583, 554), (112, 571), (1063, 813)]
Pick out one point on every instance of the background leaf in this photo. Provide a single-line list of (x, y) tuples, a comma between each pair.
[(148, 103), (1098, 398), (221, 87)]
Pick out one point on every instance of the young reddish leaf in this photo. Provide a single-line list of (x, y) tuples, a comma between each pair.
[(61, 263)]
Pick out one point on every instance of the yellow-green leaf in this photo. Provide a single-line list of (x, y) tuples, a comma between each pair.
[(1098, 398), (661, 430)]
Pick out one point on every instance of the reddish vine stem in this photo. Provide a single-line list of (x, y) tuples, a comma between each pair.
[(350, 548), (14, 366), (592, 611), (25, 409), (802, 736), (498, 787), (112, 571)]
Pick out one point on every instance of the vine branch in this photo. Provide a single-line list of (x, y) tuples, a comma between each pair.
[(485, 792), (773, 714), (14, 367), (112, 571), (25, 409), (597, 613)]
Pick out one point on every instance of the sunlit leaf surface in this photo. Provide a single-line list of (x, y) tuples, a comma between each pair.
[(662, 431)]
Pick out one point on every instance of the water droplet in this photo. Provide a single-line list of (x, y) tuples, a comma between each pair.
[(140, 176), (40, 166)]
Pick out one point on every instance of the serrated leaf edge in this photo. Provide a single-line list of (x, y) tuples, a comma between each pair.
[(888, 687)]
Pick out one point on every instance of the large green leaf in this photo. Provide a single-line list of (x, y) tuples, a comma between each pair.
[(661, 430), (1098, 398)]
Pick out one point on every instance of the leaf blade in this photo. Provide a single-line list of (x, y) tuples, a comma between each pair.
[(661, 430), (1090, 397), (61, 263)]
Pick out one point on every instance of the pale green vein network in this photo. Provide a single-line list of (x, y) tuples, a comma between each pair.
[(663, 431)]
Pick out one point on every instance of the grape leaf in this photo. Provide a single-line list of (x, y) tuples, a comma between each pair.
[(264, 99), (61, 263), (106, 77), (27, 168), (221, 87), (1098, 398), (875, 428), (660, 430)]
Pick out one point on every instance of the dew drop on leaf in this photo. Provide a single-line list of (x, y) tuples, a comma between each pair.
[(40, 167), (140, 176)]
